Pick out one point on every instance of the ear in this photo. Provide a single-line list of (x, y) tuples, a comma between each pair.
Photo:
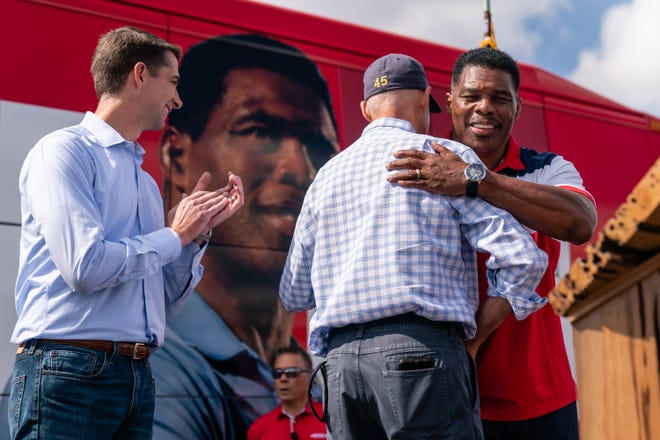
[(519, 107), (366, 114), (448, 99), (174, 150), (137, 75)]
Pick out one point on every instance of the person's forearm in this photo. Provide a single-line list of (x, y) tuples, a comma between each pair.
[(489, 316), (559, 213), (562, 214)]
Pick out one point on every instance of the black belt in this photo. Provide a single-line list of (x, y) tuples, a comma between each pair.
[(405, 318)]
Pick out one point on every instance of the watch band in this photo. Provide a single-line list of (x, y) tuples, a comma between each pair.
[(472, 188), (206, 236)]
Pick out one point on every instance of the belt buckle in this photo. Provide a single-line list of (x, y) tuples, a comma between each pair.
[(136, 347)]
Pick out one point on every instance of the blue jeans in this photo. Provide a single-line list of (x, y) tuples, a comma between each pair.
[(67, 392), (401, 378)]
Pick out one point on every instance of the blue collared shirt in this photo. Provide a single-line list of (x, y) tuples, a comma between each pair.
[(96, 261), (365, 249)]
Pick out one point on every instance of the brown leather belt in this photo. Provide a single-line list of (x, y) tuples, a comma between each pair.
[(134, 350)]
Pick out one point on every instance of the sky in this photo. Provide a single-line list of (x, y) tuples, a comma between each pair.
[(607, 46)]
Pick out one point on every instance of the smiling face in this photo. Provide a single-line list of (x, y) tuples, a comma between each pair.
[(483, 107), (275, 134), (160, 95)]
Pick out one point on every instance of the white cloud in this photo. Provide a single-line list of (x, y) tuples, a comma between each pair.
[(449, 22), (626, 67)]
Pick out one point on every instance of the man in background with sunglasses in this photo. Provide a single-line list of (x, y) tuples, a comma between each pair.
[(293, 418)]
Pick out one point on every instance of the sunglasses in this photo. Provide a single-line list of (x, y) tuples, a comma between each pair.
[(290, 372)]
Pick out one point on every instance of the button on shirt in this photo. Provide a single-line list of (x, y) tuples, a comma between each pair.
[(365, 249), (96, 261)]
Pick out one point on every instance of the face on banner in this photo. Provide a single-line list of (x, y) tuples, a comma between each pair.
[(274, 134), (261, 109)]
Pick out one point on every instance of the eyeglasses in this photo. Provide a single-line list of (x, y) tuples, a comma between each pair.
[(290, 372)]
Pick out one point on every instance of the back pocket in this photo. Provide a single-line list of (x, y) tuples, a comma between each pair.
[(16, 390)]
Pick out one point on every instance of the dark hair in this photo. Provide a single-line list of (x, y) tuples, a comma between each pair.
[(294, 349), (119, 50), (205, 66), (489, 58)]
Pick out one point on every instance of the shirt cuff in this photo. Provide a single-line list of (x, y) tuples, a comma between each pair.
[(523, 307), (167, 243)]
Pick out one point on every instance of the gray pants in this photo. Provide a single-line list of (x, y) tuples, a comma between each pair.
[(401, 378)]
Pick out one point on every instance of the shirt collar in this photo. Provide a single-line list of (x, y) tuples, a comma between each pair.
[(105, 135), (306, 410), (511, 159), (389, 122)]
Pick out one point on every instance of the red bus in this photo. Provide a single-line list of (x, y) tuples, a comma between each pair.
[(45, 84)]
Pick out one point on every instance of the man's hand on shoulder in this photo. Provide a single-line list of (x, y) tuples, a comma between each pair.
[(441, 172)]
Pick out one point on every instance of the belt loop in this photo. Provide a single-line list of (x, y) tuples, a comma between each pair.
[(32, 346), (115, 352)]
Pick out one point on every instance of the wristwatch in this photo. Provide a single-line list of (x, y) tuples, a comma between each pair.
[(475, 173), (203, 237)]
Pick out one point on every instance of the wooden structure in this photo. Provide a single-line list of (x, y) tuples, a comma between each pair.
[(613, 301)]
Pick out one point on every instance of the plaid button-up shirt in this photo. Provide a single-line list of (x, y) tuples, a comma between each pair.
[(366, 249)]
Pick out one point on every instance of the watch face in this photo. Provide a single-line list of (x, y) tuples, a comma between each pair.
[(475, 172)]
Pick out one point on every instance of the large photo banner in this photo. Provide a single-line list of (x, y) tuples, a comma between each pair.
[(257, 107), (261, 109)]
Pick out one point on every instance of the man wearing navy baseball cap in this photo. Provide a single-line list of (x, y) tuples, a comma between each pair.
[(392, 273), (397, 71)]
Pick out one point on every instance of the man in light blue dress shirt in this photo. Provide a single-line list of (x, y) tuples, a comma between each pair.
[(391, 272), (99, 271)]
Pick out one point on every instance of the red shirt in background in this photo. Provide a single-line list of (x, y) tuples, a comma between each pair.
[(276, 425)]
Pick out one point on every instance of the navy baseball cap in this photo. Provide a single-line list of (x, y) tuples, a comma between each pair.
[(396, 71)]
